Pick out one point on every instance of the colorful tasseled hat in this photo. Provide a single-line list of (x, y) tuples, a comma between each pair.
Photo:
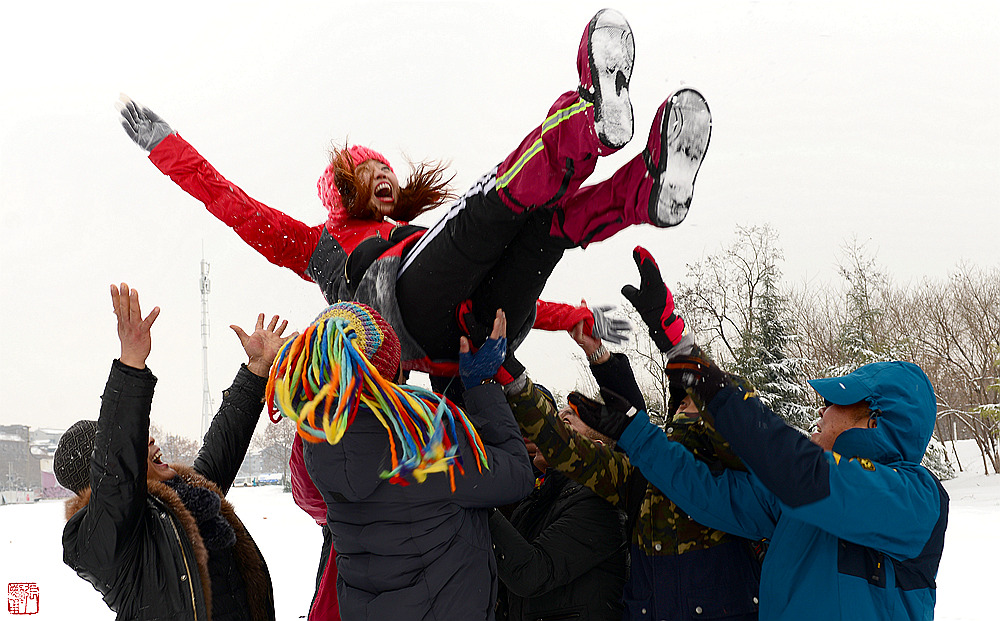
[(328, 192), (344, 362)]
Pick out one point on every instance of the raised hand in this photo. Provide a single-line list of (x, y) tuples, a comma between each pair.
[(475, 368), (610, 418), (614, 330), (263, 345), (142, 125), (699, 375), (655, 302), (133, 330)]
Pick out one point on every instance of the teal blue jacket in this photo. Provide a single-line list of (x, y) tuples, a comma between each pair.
[(855, 533)]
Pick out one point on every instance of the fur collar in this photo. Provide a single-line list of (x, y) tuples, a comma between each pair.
[(249, 559)]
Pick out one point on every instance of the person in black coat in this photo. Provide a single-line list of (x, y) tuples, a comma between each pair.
[(563, 553), (408, 480), (159, 540)]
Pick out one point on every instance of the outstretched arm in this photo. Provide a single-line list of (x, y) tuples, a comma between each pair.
[(118, 465), (228, 438), (612, 371), (281, 239), (597, 321), (605, 471), (826, 489), (732, 501), (509, 478)]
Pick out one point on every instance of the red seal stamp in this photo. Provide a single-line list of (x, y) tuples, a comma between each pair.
[(22, 598)]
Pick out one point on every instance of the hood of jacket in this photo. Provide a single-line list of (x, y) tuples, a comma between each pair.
[(902, 400)]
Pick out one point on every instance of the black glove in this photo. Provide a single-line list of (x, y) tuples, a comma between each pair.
[(141, 124), (699, 375), (655, 302), (610, 418)]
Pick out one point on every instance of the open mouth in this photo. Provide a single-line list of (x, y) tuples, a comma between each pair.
[(158, 458), (383, 191)]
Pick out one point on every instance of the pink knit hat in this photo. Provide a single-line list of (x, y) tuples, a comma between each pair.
[(328, 192)]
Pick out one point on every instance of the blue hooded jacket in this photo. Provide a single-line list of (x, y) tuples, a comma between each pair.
[(855, 533)]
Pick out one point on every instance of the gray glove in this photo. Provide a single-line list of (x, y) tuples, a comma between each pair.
[(610, 329), (141, 124)]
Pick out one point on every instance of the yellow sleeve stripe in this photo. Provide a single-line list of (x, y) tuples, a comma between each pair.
[(550, 123)]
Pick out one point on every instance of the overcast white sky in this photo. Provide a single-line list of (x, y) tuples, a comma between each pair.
[(832, 119)]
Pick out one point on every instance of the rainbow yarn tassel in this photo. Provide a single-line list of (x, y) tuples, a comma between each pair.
[(321, 380)]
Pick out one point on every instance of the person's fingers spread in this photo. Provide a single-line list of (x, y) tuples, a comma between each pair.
[(135, 312), (153, 314), (274, 322), (122, 308), (240, 333), (281, 328), (497, 327)]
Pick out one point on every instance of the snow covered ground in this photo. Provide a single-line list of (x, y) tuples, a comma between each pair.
[(30, 550)]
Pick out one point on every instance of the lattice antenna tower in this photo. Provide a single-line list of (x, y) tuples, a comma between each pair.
[(207, 409)]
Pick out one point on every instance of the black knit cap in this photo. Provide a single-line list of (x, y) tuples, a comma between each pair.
[(72, 459)]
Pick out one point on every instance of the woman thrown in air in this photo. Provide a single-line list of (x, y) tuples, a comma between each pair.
[(498, 243)]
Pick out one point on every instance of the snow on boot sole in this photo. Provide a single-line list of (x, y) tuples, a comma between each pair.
[(684, 135), (611, 52)]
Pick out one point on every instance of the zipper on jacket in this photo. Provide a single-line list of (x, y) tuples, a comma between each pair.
[(187, 568)]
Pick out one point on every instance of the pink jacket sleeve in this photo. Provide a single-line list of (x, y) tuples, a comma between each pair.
[(304, 491), (281, 239)]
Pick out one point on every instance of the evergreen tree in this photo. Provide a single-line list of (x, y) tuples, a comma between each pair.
[(763, 360), (732, 300)]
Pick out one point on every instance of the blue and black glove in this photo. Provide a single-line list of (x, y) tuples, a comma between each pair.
[(477, 367)]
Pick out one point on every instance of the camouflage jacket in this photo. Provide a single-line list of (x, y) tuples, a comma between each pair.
[(662, 528)]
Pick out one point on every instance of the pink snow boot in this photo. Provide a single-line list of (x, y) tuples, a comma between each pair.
[(604, 61), (654, 187), (677, 143), (555, 158)]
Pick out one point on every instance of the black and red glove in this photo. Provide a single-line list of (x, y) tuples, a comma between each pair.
[(610, 418), (655, 302)]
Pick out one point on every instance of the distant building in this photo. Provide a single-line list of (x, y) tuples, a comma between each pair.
[(42, 445), (26, 460), (18, 469)]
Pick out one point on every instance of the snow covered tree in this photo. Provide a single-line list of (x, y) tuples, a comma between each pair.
[(864, 329), (732, 300), (957, 328), (176, 449), (273, 445), (763, 359)]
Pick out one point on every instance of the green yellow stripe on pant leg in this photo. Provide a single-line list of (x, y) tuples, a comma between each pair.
[(536, 147)]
